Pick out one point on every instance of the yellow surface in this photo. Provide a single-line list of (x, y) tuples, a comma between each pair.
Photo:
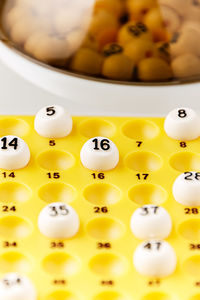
[(96, 264)]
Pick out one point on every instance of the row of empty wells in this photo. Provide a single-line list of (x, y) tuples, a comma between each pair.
[(139, 161), (110, 264), (62, 263), (136, 129), (95, 194), (115, 295), (99, 228)]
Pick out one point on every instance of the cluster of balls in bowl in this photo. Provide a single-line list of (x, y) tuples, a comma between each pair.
[(131, 40)]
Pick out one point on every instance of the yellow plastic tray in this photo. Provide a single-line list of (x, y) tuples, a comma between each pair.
[(97, 263)]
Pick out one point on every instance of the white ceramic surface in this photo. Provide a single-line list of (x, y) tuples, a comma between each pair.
[(101, 96)]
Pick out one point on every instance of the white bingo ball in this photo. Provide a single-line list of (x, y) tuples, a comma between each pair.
[(151, 222), (53, 122), (155, 258), (14, 153), (182, 124), (99, 154), (16, 287), (58, 220), (186, 189)]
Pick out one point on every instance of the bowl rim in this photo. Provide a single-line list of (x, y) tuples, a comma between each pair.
[(11, 46)]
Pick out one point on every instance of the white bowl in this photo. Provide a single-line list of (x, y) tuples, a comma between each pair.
[(141, 99)]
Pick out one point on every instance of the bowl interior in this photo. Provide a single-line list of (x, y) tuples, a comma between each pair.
[(133, 42)]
